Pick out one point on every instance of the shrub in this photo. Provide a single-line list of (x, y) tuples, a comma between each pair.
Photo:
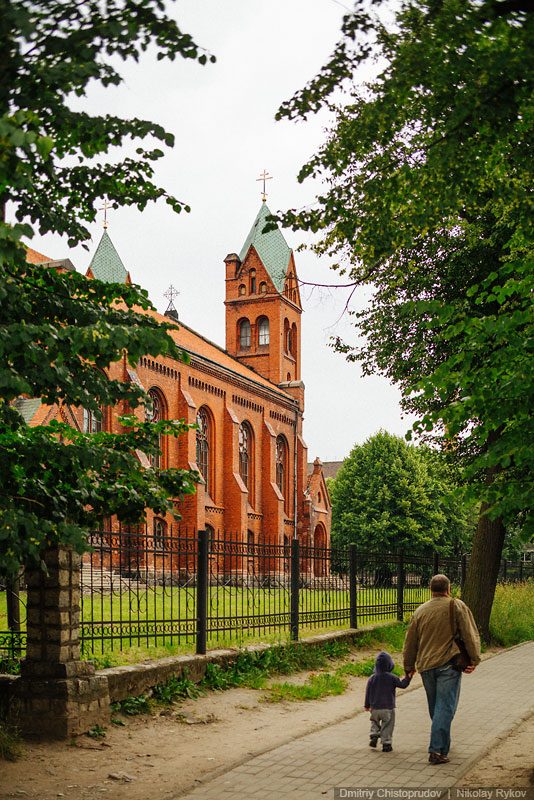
[(176, 689)]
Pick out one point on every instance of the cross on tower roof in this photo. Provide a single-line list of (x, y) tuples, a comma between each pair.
[(105, 210), (170, 294), (264, 177)]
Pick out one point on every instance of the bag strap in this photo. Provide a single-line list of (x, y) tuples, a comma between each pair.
[(451, 617)]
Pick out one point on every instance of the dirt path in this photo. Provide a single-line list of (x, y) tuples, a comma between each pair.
[(510, 764), (165, 754), (161, 756)]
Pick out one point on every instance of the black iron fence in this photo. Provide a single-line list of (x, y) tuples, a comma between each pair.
[(175, 589)]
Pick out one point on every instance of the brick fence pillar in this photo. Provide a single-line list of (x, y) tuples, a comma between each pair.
[(57, 695)]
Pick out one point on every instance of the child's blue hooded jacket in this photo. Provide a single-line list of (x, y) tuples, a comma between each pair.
[(381, 686)]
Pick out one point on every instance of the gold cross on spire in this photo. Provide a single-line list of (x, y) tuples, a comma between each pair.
[(264, 177), (105, 210)]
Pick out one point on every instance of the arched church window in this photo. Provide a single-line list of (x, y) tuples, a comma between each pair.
[(204, 446), (281, 464), (287, 335), (244, 334), (242, 289), (245, 454), (263, 287), (263, 331), (252, 281), (154, 414), (93, 422), (159, 533)]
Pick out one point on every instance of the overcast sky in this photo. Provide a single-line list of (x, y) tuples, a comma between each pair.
[(223, 118)]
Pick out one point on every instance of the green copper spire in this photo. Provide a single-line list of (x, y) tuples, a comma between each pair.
[(106, 264), (271, 247)]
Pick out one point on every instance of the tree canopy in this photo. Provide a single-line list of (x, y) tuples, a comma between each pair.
[(59, 331), (389, 496), (427, 170)]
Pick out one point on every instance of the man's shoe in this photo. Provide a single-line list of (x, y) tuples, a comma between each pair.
[(372, 741), (387, 748), (437, 758)]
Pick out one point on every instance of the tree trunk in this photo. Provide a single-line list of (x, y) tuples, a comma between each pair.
[(483, 570)]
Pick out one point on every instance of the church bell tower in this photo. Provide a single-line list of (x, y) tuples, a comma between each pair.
[(263, 308)]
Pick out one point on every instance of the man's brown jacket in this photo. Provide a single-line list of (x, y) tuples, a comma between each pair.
[(429, 640)]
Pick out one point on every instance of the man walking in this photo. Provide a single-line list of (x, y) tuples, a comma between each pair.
[(430, 648)]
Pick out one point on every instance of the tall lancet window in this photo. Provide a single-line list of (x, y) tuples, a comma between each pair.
[(281, 464), (203, 447), (155, 414), (245, 454)]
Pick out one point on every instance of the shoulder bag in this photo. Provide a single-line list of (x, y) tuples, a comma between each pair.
[(461, 660)]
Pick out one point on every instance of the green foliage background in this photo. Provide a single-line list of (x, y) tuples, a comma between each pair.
[(426, 173), (58, 331), (390, 495), (426, 199)]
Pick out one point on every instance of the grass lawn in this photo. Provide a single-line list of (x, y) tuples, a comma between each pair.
[(512, 615), (131, 626)]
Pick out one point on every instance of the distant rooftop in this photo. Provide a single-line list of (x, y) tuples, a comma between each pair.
[(34, 257), (330, 468)]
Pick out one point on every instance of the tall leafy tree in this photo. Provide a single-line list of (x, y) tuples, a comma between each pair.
[(58, 331), (427, 172), (389, 495), (459, 511)]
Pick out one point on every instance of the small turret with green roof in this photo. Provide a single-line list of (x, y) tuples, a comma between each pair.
[(271, 247), (106, 264)]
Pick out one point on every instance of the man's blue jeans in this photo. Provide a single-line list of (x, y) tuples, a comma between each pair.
[(442, 686)]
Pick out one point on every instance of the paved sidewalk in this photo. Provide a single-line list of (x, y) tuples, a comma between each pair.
[(493, 700)]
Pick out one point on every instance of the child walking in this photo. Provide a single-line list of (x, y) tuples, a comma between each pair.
[(380, 700)]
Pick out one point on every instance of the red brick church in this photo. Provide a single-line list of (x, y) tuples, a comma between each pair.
[(247, 399)]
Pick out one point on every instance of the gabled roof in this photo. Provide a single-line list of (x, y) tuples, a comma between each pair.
[(106, 264), (34, 257), (271, 247), (316, 482)]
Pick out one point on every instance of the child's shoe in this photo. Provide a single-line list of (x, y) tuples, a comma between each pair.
[(387, 748), (372, 741)]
